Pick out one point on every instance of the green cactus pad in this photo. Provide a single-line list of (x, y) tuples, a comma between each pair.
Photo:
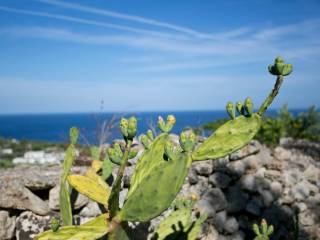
[(94, 229), (150, 159), (156, 190), (181, 217), (228, 138), (65, 204)]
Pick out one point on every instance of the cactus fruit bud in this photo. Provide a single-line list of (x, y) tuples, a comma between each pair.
[(145, 141), (74, 134), (166, 127), (132, 127), (231, 111), (187, 142), (124, 127), (248, 105), (150, 135), (171, 151), (133, 153), (115, 153), (239, 107), (280, 68), (55, 224)]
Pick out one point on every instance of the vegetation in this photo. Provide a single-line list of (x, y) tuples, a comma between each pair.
[(20, 147), (162, 164), (306, 125)]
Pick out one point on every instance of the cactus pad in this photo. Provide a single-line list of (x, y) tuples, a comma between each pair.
[(94, 229), (153, 195), (91, 186), (228, 138)]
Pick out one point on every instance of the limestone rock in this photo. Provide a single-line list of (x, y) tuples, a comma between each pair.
[(15, 196), (220, 180), (212, 201), (54, 204), (8, 225), (28, 225)]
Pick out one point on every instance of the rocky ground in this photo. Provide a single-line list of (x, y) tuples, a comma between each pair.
[(237, 191)]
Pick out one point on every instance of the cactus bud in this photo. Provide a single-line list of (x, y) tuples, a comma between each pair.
[(150, 135), (166, 127), (280, 68), (256, 229), (74, 134), (187, 142), (133, 153), (55, 224), (169, 150), (264, 226), (132, 127), (248, 105), (239, 107), (145, 141), (124, 127), (270, 230), (231, 110), (115, 153)]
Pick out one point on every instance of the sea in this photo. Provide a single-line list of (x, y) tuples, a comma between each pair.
[(55, 127)]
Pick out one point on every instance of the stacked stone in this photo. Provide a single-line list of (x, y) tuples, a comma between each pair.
[(253, 183)]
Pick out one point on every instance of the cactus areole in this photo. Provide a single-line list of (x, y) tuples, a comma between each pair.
[(159, 174)]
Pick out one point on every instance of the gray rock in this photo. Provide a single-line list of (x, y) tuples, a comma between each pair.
[(276, 189), (237, 168), (200, 188), (127, 176), (8, 225), (219, 180), (254, 206), (90, 210), (231, 225), (212, 234), (300, 191), (28, 225), (306, 218), (219, 220), (267, 197), (203, 168), (248, 182), (54, 204), (212, 201), (193, 177), (14, 195), (237, 199), (238, 236), (252, 148)]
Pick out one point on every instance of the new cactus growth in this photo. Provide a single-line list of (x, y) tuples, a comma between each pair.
[(162, 164), (263, 232), (166, 126), (231, 110), (55, 224)]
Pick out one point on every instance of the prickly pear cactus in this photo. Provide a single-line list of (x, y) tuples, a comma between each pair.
[(65, 189), (152, 196), (230, 137), (92, 230), (92, 186), (180, 225), (263, 232)]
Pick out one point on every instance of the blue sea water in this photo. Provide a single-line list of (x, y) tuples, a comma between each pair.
[(55, 127)]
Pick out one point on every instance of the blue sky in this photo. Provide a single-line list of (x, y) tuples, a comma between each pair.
[(142, 55)]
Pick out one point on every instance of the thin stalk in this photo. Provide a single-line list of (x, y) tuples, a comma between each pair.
[(114, 196), (271, 96)]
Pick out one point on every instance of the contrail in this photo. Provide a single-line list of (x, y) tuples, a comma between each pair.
[(86, 21), (134, 18)]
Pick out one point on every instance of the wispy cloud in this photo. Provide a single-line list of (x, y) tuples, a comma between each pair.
[(88, 22), (134, 18)]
